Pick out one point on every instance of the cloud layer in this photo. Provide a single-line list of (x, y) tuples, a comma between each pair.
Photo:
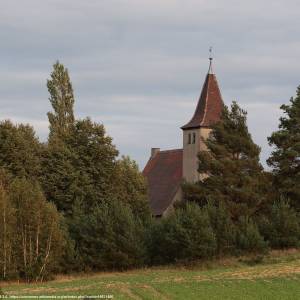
[(138, 66)]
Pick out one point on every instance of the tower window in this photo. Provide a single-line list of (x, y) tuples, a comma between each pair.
[(190, 138), (194, 138)]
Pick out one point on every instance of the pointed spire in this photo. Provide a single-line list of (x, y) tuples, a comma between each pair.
[(210, 70), (210, 104)]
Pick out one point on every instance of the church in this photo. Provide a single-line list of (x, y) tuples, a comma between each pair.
[(166, 170)]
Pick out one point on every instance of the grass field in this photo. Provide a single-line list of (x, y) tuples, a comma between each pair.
[(277, 277)]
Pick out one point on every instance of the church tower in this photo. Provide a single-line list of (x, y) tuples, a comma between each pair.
[(208, 112)]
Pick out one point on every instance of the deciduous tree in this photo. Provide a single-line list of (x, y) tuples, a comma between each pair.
[(62, 100)]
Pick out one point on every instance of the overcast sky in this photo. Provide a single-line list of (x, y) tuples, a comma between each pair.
[(138, 65)]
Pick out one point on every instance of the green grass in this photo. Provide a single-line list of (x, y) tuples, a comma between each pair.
[(277, 277)]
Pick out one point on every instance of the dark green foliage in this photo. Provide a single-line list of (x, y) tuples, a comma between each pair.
[(233, 174), (79, 162), (108, 223), (20, 150), (223, 227), (80, 168), (130, 187), (110, 237), (94, 162), (184, 235), (285, 159), (282, 226), (82, 176), (59, 177), (62, 101), (249, 238)]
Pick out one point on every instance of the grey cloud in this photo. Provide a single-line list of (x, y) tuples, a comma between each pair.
[(138, 66)]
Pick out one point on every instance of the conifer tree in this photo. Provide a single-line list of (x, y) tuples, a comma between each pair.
[(281, 227), (62, 101), (186, 234), (285, 159), (109, 237), (233, 173)]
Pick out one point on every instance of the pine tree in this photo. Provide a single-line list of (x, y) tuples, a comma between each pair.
[(62, 101), (285, 159), (249, 238), (184, 235), (281, 228), (234, 175), (223, 227), (109, 237)]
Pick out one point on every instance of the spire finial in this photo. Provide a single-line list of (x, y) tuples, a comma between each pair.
[(210, 71)]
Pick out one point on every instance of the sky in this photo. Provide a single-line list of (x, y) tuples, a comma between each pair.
[(138, 66)]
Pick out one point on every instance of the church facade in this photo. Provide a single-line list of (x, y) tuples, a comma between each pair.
[(166, 170)]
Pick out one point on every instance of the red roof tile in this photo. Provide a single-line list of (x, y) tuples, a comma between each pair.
[(164, 174), (210, 105)]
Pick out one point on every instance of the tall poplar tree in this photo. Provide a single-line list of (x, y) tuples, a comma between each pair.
[(285, 159), (62, 101), (235, 176)]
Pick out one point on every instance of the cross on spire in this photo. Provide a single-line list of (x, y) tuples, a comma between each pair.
[(210, 71)]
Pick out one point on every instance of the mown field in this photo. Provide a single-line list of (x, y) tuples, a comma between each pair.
[(276, 277)]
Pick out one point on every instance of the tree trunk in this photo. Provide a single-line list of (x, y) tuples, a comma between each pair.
[(4, 241)]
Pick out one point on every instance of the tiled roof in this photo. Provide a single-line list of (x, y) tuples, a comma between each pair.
[(164, 174), (209, 106)]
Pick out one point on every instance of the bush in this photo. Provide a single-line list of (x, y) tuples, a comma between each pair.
[(111, 237), (282, 227), (184, 235), (223, 227), (249, 238)]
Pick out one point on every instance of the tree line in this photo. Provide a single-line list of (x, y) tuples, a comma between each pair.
[(72, 204)]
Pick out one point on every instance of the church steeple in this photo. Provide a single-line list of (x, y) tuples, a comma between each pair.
[(207, 113), (210, 104)]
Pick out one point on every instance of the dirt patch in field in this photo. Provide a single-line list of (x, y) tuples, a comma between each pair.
[(155, 292), (271, 272), (50, 290)]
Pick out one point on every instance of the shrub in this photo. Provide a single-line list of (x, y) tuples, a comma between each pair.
[(249, 238), (111, 237), (282, 227), (223, 227), (184, 235)]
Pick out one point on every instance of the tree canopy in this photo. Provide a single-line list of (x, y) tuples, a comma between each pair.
[(285, 159), (232, 172), (62, 100)]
